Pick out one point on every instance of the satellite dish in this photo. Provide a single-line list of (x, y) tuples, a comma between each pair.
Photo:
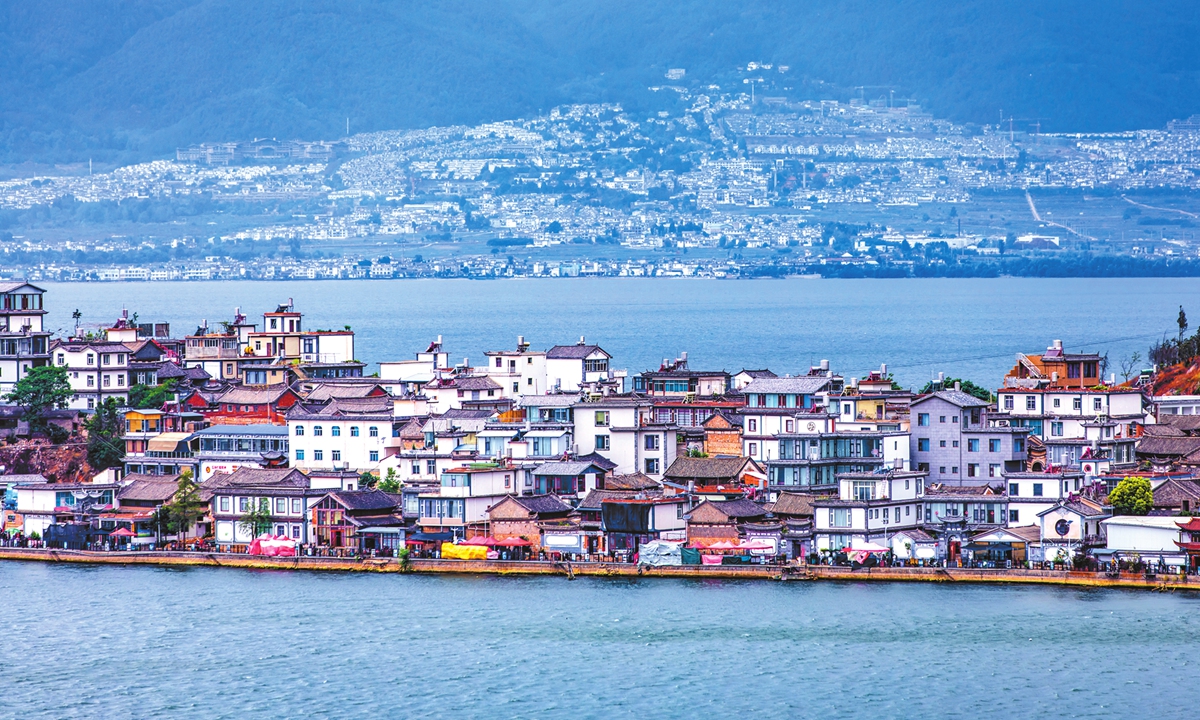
[(1062, 527)]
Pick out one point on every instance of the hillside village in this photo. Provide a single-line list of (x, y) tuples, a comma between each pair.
[(267, 427)]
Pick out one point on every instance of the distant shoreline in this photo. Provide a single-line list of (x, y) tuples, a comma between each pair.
[(1058, 578)]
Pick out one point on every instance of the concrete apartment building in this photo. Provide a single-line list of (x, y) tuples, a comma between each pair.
[(956, 441)]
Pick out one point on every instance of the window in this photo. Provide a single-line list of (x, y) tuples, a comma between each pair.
[(652, 442), (923, 444), (923, 419), (973, 445), (863, 490), (1098, 404), (752, 449), (336, 456), (107, 380), (1008, 402), (243, 503), (431, 467), (1056, 429), (1077, 404), (1030, 402), (1013, 490), (601, 418), (1056, 402), (994, 445), (120, 380), (942, 470), (941, 443), (336, 431), (106, 359), (752, 425), (953, 469), (280, 506), (972, 470), (941, 418), (1073, 370), (790, 426), (317, 430), (1037, 489), (318, 455), (373, 456), (993, 470), (516, 386), (353, 431), (885, 515), (651, 466), (679, 511), (953, 418), (299, 455), (91, 381), (299, 430), (1018, 445), (296, 509), (602, 442), (1014, 516), (839, 517), (373, 431), (224, 503)]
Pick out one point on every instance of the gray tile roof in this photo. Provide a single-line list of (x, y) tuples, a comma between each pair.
[(572, 352), (786, 386)]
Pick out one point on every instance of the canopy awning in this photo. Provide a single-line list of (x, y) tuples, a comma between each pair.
[(381, 531), (166, 442), (496, 433), (545, 433), (421, 536)]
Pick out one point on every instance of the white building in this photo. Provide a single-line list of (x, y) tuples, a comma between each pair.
[(1148, 537), (97, 370), (622, 429), (345, 434), (23, 343), (870, 507), (570, 366)]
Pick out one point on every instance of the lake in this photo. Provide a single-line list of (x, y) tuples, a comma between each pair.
[(113, 642), (964, 327)]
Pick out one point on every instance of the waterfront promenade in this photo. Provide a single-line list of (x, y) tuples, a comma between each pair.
[(570, 570)]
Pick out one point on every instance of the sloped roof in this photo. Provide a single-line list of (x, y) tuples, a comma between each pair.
[(718, 468), (573, 352), (330, 391), (366, 499), (954, 397), (740, 508), (1178, 446), (632, 481), (598, 460), (152, 488), (592, 500), (786, 386), (259, 477), (253, 395), (573, 467), (1163, 430), (764, 373), (792, 504), (543, 504)]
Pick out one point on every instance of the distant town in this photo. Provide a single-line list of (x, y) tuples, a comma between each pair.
[(262, 435), (714, 184)]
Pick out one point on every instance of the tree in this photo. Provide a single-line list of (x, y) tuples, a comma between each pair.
[(390, 483), (43, 388), (145, 397), (1132, 496), (257, 518), (367, 480), (105, 447), (966, 386), (1182, 321), (1129, 365), (186, 507)]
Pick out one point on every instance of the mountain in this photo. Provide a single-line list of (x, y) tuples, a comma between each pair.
[(125, 79)]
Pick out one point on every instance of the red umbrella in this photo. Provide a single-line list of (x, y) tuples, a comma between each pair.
[(513, 542), (122, 532), (480, 540)]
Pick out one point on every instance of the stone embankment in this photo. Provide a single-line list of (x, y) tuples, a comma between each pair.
[(599, 569)]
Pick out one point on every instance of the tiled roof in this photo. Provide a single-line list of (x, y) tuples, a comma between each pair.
[(690, 468), (366, 499), (572, 352), (253, 396), (740, 508), (543, 504), (565, 468), (954, 397), (792, 504), (154, 488), (786, 386), (632, 481), (1178, 446)]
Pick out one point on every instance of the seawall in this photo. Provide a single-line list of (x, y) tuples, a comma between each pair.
[(1065, 578)]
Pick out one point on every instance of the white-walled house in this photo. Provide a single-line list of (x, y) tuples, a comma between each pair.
[(869, 507), (570, 366), (23, 343), (97, 370), (348, 434), (620, 429), (1146, 536)]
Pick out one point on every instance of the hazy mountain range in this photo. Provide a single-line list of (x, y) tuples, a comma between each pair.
[(119, 80)]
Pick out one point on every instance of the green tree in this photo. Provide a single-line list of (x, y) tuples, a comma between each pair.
[(186, 507), (148, 397), (1132, 496), (1182, 321), (390, 483), (257, 518), (367, 481), (105, 447), (43, 388), (967, 386)]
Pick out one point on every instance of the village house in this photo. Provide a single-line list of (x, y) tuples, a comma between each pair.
[(520, 372), (96, 369), (348, 433), (225, 448), (569, 367), (702, 475), (525, 517), (674, 379), (24, 345), (722, 434), (869, 508), (955, 513), (1071, 526), (622, 428), (1030, 493), (954, 440), (251, 405), (369, 521), (722, 520), (286, 494), (44, 504), (629, 523), (568, 478)]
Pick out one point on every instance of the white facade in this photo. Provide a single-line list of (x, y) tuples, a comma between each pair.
[(96, 371), (336, 443), (616, 430), (1144, 535)]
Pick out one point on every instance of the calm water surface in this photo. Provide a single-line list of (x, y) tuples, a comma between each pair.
[(115, 642), (964, 327)]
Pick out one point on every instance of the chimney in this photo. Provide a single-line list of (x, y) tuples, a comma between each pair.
[(883, 369), (957, 386), (1058, 344), (582, 341)]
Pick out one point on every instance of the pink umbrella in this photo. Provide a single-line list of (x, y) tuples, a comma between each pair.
[(122, 532), (757, 545), (723, 545), (480, 540)]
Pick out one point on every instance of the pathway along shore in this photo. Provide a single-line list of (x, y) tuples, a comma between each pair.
[(1066, 578)]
